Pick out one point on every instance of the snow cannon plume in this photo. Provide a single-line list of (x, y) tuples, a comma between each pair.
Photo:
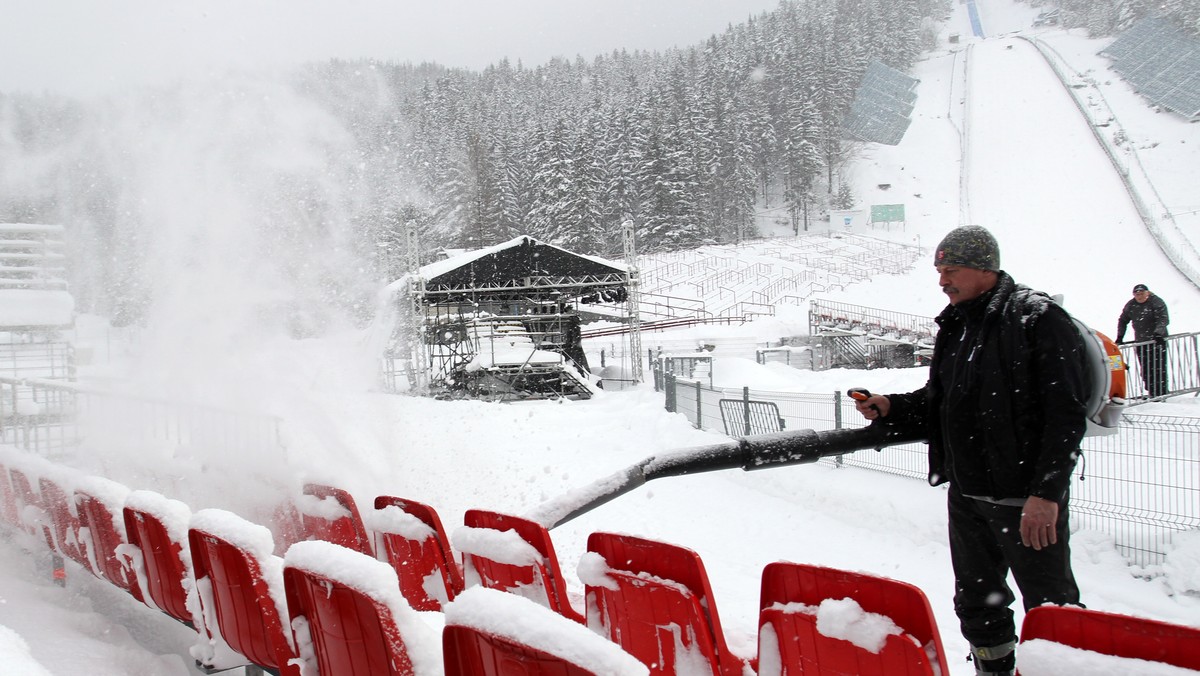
[(760, 451)]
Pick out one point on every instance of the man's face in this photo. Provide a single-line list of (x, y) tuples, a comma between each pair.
[(964, 284), (1141, 296)]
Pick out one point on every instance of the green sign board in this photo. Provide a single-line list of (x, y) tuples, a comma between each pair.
[(887, 213)]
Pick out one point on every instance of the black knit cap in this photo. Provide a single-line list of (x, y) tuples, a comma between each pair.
[(969, 246), (1140, 287)]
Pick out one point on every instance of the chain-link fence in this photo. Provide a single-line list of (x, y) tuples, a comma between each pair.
[(1141, 485)]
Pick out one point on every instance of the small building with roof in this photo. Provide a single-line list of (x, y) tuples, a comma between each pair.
[(500, 323)]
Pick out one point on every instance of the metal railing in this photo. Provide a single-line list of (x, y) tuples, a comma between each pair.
[(1141, 486), (1155, 372), (55, 418)]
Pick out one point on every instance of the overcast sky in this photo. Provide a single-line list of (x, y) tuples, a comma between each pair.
[(85, 47)]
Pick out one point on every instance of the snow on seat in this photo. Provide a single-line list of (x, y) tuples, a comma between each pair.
[(410, 537), (513, 554), (653, 599), (101, 506), (815, 620), (157, 529), (323, 513), (1111, 634), (240, 585), (349, 618), (492, 632)]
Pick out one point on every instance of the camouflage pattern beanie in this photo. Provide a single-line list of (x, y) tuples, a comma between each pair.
[(969, 246)]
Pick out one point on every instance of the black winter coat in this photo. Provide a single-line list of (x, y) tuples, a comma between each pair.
[(1150, 319), (1005, 406)]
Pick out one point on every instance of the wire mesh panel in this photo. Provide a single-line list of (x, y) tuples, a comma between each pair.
[(1141, 485)]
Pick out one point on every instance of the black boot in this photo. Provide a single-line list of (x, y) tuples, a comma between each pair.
[(998, 660)]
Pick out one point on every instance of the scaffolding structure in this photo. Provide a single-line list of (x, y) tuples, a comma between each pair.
[(37, 316), (500, 323), (633, 302)]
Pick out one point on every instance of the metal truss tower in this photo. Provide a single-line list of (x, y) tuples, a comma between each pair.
[(633, 301), (414, 314)]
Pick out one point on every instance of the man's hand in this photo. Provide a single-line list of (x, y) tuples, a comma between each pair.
[(1038, 519), (1161, 340), (874, 406)]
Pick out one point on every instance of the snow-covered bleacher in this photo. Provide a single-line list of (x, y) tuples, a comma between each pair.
[(747, 279), (884, 326), (324, 588)]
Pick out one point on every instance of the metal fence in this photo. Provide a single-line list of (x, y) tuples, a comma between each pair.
[(1141, 485)]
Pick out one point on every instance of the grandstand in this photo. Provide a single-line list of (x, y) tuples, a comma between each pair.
[(1162, 63), (745, 280), (882, 105), (733, 284)]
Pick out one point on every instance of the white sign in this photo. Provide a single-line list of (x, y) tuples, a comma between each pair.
[(848, 219)]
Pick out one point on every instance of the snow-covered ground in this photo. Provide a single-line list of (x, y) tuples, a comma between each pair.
[(1031, 173)]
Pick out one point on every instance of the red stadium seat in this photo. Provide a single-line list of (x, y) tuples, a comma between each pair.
[(69, 539), (240, 585), (101, 504), (419, 552), (492, 633), (347, 606), (654, 600), (788, 636), (157, 527), (33, 516), (1113, 634), (322, 513), (342, 526), (536, 576), (9, 509)]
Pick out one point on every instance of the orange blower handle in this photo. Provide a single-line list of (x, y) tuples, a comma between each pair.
[(861, 394)]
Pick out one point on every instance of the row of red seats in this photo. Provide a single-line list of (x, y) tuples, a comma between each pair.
[(347, 594)]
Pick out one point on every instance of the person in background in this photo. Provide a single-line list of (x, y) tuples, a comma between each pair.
[(1149, 316), (1004, 411)]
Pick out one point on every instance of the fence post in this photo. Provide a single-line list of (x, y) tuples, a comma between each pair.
[(1196, 359), (746, 408), (837, 419), (669, 386), (699, 408)]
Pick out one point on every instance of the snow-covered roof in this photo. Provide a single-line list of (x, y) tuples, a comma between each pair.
[(522, 264), (465, 258), (36, 307)]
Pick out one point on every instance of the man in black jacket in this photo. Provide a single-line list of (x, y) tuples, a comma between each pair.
[(1148, 313), (1004, 411)]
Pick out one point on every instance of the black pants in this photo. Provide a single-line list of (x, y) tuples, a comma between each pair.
[(1152, 358), (985, 543)]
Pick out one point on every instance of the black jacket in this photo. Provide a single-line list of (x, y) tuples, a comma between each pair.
[(1149, 319), (1005, 406)]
